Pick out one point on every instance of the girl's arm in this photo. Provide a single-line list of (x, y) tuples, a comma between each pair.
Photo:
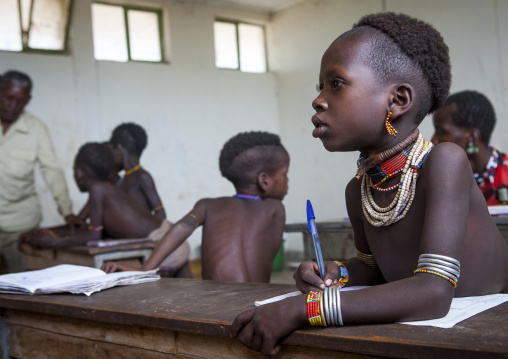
[(148, 188)]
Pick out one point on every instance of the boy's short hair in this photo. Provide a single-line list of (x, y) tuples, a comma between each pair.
[(474, 110), (131, 136), (17, 78), (98, 158), (239, 165), (416, 52)]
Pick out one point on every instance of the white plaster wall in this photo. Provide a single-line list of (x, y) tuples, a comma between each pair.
[(475, 31), (187, 106)]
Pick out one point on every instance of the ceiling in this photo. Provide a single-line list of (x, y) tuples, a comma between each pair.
[(265, 6)]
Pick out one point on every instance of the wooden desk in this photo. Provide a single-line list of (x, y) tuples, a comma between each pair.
[(135, 254), (188, 318), (337, 239)]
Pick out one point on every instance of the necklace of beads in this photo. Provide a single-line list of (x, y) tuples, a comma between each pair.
[(132, 170), (390, 168), (395, 211), (247, 196), (374, 186), (488, 175)]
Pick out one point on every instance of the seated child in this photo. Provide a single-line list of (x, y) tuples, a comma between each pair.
[(114, 178), (415, 208), (111, 210), (241, 233), (468, 119), (128, 141)]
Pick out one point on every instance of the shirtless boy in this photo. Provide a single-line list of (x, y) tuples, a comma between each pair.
[(128, 142), (111, 210), (241, 233)]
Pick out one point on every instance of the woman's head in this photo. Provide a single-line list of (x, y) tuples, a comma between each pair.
[(466, 117)]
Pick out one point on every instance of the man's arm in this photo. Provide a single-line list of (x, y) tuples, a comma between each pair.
[(52, 172)]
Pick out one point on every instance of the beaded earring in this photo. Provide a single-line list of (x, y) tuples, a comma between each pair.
[(471, 148), (391, 130)]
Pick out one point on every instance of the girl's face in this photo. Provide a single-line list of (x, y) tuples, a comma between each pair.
[(446, 130), (352, 105)]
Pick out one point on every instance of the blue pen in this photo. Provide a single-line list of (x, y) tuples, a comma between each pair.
[(312, 229)]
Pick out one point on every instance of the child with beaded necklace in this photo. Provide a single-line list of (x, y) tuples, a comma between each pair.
[(415, 209), (128, 141)]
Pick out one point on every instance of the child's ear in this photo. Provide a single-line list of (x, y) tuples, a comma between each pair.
[(401, 99), (264, 181)]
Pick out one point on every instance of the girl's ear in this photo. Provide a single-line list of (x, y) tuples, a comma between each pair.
[(264, 181), (401, 99)]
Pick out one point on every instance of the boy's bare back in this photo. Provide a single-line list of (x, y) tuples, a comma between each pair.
[(241, 238), (119, 214)]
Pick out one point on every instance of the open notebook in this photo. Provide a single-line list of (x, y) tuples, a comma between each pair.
[(68, 278)]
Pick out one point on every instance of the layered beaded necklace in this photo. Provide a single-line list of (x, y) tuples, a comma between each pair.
[(390, 168), (395, 211)]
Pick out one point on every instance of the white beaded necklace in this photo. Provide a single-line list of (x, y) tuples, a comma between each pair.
[(395, 211)]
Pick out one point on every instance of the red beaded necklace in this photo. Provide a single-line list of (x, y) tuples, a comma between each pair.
[(390, 168)]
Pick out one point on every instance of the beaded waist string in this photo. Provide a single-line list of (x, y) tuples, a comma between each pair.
[(395, 211)]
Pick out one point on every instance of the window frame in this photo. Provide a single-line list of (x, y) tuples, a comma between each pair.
[(126, 8), (237, 23), (24, 44)]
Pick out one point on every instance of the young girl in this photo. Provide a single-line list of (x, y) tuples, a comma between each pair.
[(418, 217)]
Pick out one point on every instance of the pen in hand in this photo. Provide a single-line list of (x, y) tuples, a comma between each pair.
[(315, 238)]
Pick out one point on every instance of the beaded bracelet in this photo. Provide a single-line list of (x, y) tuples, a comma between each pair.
[(313, 309), (344, 274), (438, 274), (195, 218), (95, 229), (443, 266)]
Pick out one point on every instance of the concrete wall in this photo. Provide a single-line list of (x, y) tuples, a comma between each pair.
[(298, 37), (189, 108)]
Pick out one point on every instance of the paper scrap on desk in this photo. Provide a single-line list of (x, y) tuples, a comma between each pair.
[(257, 303), (498, 210), (463, 308)]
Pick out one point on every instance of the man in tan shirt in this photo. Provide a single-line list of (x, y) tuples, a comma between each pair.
[(24, 141)]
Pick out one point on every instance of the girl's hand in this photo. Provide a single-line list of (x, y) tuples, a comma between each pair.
[(110, 267), (307, 276), (262, 328)]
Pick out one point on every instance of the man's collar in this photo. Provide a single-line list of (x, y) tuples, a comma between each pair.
[(21, 124)]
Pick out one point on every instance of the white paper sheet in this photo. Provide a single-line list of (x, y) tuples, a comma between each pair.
[(463, 308)]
